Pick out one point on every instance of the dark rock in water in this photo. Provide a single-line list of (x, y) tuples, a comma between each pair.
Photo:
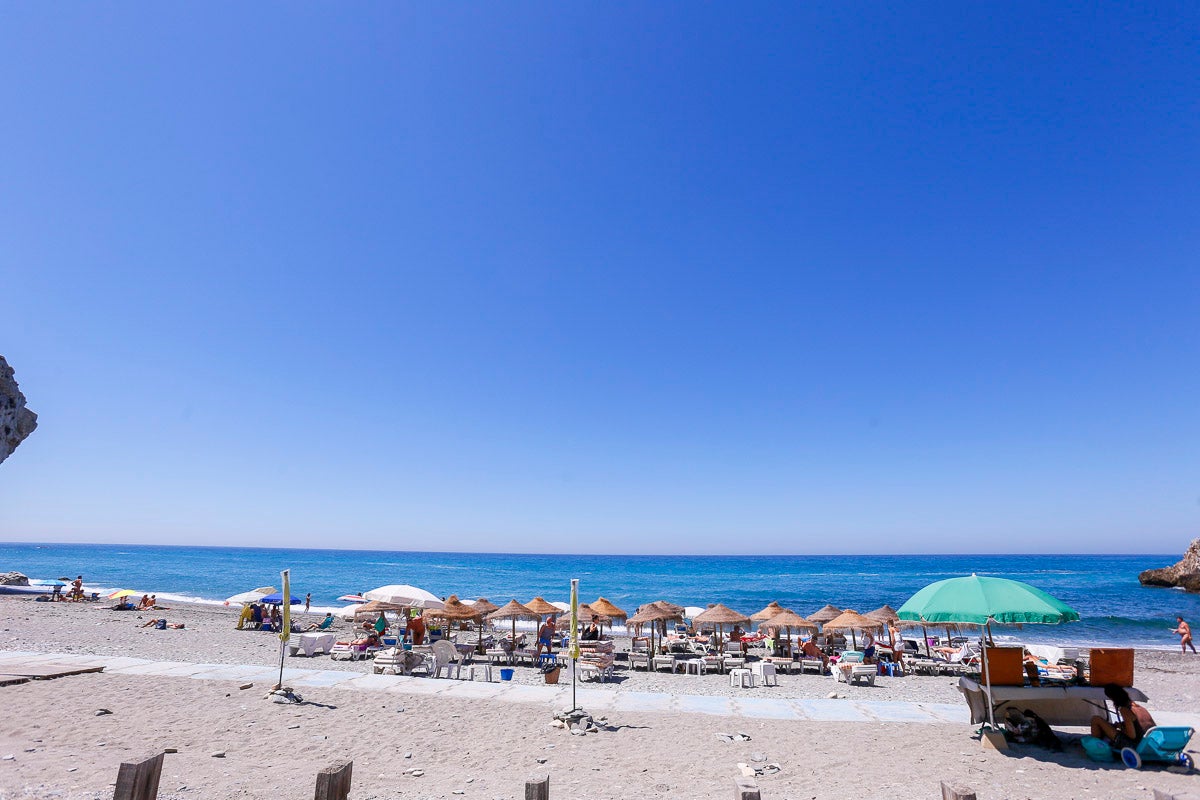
[(16, 421), (13, 579), (1161, 576), (1185, 574)]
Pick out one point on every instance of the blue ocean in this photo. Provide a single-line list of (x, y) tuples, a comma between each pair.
[(1115, 608)]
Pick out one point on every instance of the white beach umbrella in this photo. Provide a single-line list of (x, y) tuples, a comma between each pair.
[(405, 595), (252, 596), (691, 612), (561, 606)]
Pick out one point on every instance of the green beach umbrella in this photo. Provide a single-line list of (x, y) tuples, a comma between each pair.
[(981, 601)]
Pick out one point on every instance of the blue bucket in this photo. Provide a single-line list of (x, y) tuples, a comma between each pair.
[(506, 674)]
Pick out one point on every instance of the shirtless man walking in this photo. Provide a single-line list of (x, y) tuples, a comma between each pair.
[(1185, 635)]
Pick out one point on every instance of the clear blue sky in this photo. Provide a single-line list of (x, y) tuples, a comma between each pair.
[(604, 277)]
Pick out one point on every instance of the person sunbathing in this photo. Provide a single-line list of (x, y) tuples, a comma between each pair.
[(322, 625), (162, 624), (810, 650), (371, 640)]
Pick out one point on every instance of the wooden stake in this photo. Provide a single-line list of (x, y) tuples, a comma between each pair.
[(138, 780), (538, 788), (333, 783), (745, 789), (957, 792)]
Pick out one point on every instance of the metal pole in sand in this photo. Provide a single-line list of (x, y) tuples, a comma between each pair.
[(574, 639)]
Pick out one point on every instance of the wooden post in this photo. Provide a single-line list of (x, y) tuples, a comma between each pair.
[(957, 792), (333, 783), (138, 780), (538, 788), (745, 789)]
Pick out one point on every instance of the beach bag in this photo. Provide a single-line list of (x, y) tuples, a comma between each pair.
[(1044, 735)]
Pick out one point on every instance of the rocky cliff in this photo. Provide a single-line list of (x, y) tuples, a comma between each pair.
[(1185, 574), (16, 421)]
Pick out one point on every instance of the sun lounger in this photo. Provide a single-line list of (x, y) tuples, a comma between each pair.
[(849, 672), (343, 651), (390, 660), (664, 661), (639, 660), (814, 664)]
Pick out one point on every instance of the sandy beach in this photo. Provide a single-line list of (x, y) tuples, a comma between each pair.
[(487, 749)]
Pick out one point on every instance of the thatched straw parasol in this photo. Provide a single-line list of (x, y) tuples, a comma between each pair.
[(720, 615), (456, 610), (824, 615), (786, 620), (485, 605), (514, 611), (789, 619), (885, 614), (658, 611), (603, 606), (606, 609), (773, 609), (852, 621), (542, 608), (375, 607), (588, 614)]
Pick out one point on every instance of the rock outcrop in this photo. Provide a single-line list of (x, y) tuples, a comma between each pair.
[(13, 579), (16, 421), (1185, 574)]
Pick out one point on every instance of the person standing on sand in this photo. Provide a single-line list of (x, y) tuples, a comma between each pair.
[(1185, 635), (307, 601), (546, 635)]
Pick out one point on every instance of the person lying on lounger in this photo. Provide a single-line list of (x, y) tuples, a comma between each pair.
[(370, 640), (322, 625), (810, 650)]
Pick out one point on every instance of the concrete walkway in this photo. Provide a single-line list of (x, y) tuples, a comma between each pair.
[(557, 697)]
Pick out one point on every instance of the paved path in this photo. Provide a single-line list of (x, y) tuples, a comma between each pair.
[(594, 700)]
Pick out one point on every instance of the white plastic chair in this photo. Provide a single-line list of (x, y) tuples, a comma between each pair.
[(445, 657)]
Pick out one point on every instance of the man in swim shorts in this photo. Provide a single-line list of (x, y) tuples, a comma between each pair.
[(546, 635)]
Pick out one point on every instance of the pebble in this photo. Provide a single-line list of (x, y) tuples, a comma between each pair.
[(170, 750), (102, 712), (219, 754), (758, 757), (408, 755), (72, 769), (10, 757), (293, 727), (458, 791), (542, 760)]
